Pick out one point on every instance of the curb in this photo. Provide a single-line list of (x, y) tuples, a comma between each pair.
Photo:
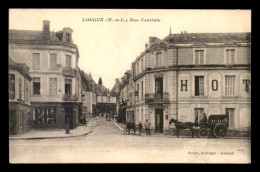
[(32, 138), (118, 126)]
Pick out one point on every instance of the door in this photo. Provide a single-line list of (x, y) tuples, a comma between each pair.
[(159, 120), (69, 116), (12, 122)]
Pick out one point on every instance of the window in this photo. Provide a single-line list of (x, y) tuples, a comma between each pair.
[(246, 82), (53, 86), (199, 115), (229, 85), (142, 114), (26, 93), (142, 63), (142, 91), (199, 57), (68, 87), (137, 89), (158, 87), (11, 88), (199, 85), (230, 56), (36, 61), (20, 88), (158, 60), (68, 37), (137, 68), (53, 61), (83, 87), (68, 61), (44, 116), (231, 116), (36, 86)]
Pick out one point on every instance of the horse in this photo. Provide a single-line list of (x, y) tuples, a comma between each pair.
[(183, 125), (130, 126)]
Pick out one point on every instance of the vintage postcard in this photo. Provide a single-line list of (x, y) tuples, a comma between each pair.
[(129, 86)]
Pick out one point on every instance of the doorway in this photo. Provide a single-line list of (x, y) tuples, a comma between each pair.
[(12, 122), (158, 120), (69, 116)]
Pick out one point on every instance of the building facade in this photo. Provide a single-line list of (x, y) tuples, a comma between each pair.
[(20, 111), (185, 74), (88, 95), (53, 61), (106, 104)]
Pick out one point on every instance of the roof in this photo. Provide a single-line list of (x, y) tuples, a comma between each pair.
[(30, 35), (209, 37), (21, 67)]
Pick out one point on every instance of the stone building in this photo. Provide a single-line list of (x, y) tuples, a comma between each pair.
[(20, 111), (127, 98), (53, 61), (184, 74), (106, 104), (88, 95)]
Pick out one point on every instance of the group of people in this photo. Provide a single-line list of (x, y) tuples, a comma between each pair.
[(147, 125)]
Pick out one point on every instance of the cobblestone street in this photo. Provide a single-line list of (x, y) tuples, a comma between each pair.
[(107, 144)]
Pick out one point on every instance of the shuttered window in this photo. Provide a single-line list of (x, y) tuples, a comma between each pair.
[(199, 57), (158, 59), (199, 85), (229, 85), (36, 61), (53, 61), (53, 86), (230, 53)]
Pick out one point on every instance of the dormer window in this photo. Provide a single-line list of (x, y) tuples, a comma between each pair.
[(83, 87), (68, 37)]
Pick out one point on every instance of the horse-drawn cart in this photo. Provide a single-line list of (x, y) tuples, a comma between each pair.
[(216, 124)]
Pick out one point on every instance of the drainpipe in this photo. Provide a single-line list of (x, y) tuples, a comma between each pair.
[(177, 83)]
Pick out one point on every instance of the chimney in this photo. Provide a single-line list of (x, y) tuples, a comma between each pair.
[(46, 30), (146, 46), (185, 35)]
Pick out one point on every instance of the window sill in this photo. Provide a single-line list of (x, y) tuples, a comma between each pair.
[(230, 96), (199, 96), (36, 95)]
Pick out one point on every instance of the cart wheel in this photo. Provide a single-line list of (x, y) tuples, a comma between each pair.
[(203, 133), (220, 131)]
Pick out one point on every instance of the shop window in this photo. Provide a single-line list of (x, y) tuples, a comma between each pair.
[(199, 85), (11, 88), (36, 86), (45, 116)]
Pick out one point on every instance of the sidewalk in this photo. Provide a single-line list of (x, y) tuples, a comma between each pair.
[(56, 133), (186, 134)]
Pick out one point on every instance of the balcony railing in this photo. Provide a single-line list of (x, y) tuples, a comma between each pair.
[(157, 98), (68, 71), (70, 97)]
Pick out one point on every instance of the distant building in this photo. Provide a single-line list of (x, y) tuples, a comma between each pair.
[(106, 104), (53, 61), (20, 111)]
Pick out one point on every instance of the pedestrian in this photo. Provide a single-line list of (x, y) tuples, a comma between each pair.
[(140, 127), (147, 127)]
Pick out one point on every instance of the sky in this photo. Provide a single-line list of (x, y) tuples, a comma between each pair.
[(107, 49)]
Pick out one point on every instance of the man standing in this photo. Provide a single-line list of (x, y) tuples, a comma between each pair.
[(140, 127), (147, 127)]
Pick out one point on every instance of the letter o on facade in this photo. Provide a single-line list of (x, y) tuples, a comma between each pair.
[(214, 85)]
